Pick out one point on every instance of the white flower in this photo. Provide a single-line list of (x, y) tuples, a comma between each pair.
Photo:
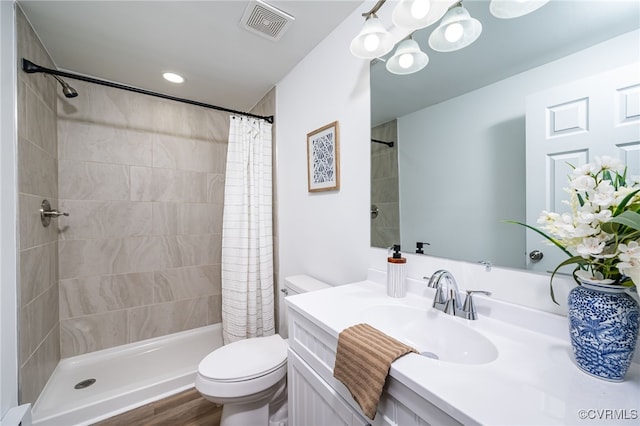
[(609, 163), (589, 247), (583, 183), (586, 169), (603, 195)]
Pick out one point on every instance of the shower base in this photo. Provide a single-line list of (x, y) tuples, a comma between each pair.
[(88, 388)]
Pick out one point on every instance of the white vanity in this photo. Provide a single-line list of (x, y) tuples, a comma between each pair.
[(513, 365)]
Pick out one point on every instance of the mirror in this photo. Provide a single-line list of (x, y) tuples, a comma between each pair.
[(456, 170)]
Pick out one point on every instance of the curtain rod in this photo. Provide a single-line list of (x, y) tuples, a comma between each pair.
[(30, 67), (389, 144)]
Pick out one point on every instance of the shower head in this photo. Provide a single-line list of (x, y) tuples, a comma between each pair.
[(68, 91)]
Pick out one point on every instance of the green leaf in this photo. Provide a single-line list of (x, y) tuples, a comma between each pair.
[(623, 204), (553, 240), (627, 218), (573, 260)]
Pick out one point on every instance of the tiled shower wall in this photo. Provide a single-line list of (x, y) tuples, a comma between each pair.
[(385, 229), (39, 331), (143, 182)]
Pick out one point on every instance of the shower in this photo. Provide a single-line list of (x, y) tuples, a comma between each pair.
[(68, 91)]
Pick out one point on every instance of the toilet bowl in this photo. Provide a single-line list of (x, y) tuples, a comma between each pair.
[(248, 377)]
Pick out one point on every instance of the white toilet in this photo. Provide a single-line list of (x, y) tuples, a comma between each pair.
[(249, 376)]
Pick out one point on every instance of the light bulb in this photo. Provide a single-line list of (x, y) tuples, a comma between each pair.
[(453, 32), (420, 8), (405, 60), (371, 42)]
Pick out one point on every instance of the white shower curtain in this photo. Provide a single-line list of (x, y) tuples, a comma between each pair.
[(247, 232)]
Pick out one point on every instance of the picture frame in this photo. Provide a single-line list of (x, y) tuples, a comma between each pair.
[(323, 158)]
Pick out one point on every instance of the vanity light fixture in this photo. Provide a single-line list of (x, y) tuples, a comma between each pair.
[(456, 30), (507, 9), (373, 41), (416, 14), (173, 77), (407, 59)]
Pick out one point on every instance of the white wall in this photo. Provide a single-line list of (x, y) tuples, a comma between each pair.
[(325, 234), (445, 143), (8, 242)]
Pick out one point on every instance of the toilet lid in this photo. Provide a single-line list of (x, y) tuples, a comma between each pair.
[(245, 359)]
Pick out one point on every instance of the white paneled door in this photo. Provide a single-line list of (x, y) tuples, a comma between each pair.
[(573, 124)]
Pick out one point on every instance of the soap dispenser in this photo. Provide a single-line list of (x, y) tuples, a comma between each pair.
[(396, 273)]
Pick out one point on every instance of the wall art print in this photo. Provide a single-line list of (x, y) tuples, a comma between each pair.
[(323, 158)]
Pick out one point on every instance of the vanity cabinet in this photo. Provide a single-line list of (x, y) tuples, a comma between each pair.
[(317, 398)]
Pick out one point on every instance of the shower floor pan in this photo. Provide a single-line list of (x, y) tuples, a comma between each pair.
[(88, 388)]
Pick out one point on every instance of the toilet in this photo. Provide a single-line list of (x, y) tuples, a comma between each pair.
[(248, 377)]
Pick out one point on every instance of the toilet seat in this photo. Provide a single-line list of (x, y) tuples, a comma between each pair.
[(245, 359)]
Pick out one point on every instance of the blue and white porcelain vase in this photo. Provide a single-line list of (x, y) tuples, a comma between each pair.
[(603, 325)]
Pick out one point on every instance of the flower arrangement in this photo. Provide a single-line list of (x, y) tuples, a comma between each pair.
[(601, 234)]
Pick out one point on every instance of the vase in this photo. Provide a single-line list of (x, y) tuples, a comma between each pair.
[(603, 325)]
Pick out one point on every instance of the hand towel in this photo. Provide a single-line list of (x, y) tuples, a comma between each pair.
[(363, 360)]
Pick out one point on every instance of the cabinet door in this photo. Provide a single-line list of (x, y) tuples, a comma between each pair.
[(313, 402)]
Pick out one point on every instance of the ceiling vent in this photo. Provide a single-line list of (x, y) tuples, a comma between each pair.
[(265, 20)]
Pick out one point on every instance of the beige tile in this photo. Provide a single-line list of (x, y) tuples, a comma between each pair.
[(104, 144), (82, 258), (141, 183), (179, 186), (37, 319), (186, 218), (92, 181), (172, 317), (193, 250), (186, 283), (91, 333), (215, 309), (29, 47), (38, 269), (104, 219), (37, 170), (215, 188), (172, 152), (216, 125), (32, 233), (40, 122), (35, 371), (98, 294)]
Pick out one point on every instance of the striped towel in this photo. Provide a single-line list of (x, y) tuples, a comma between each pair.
[(363, 360)]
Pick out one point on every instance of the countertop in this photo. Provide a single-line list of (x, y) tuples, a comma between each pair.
[(533, 380)]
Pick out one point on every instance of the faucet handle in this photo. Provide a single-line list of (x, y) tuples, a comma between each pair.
[(469, 308)]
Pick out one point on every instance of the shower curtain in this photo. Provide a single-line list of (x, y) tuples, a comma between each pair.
[(247, 232)]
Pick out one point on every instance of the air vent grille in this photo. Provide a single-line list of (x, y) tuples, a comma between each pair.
[(266, 20)]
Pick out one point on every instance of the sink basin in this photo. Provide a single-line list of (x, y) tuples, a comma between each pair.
[(433, 333)]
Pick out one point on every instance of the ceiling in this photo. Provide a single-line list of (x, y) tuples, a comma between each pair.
[(506, 47), (134, 42)]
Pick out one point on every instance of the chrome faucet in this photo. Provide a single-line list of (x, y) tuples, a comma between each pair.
[(448, 300)]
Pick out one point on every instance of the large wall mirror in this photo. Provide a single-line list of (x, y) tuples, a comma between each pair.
[(456, 171)]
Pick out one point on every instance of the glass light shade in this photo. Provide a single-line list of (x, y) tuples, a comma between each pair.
[(416, 14), (448, 37), (407, 59), (507, 9), (373, 41)]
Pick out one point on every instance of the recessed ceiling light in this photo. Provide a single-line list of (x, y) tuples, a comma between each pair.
[(172, 77)]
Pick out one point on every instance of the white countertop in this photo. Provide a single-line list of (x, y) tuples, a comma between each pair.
[(533, 381)]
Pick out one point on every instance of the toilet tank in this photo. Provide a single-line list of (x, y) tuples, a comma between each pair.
[(297, 284), (293, 285)]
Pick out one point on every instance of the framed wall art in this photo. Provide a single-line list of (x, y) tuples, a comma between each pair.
[(323, 158)]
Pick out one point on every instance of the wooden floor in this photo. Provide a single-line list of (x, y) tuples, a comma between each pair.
[(187, 408)]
